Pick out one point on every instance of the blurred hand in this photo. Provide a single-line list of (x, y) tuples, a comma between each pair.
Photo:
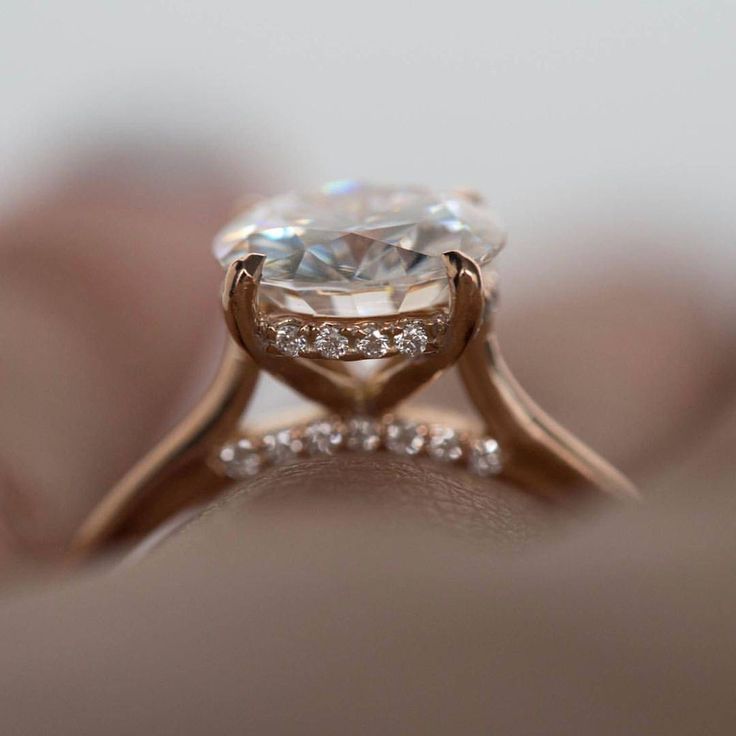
[(108, 316), (305, 611)]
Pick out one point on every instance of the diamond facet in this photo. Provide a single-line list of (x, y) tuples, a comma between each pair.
[(244, 458), (405, 438), (331, 343), (485, 457), (323, 438), (282, 447), (412, 339), (362, 433), (444, 444), (290, 340), (240, 459), (357, 250), (373, 344)]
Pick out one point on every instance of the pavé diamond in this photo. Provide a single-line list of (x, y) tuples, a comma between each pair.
[(244, 458), (485, 457), (282, 447), (444, 444), (357, 250), (373, 344), (323, 438), (412, 339), (290, 340), (331, 343), (240, 459), (362, 433), (405, 438)]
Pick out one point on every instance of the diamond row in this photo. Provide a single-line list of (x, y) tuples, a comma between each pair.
[(360, 340), (244, 458)]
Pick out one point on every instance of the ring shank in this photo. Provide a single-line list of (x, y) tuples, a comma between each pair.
[(175, 474), (539, 456), (539, 453)]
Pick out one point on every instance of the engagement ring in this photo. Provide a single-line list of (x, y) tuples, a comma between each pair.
[(356, 296)]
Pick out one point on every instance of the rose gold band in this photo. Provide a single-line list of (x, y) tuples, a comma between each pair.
[(538, 455)]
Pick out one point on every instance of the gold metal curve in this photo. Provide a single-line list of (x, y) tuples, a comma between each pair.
[(400, 381), (539, 455), (310, 379), (175, 474)]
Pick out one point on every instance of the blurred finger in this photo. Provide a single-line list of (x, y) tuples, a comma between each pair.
[(107, 314)]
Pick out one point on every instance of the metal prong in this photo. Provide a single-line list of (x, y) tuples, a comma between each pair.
[(239, 300), (397, 382), (468, 301), (240, 303)]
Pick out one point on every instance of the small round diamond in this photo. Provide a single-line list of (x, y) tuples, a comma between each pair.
[(485, 457), (240, 459), (282, 447), (290, 340), (363, 433), (444, 444), (405, 438), (412, 339), (330, 342), (323, 438), (373, 344)]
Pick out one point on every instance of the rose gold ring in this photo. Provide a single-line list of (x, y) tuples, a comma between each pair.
[(320, 283)]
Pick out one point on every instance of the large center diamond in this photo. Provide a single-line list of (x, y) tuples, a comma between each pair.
[(356, 250)]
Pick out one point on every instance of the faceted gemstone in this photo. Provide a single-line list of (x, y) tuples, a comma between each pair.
[(331, 343), (485, 457), (240, 459), (412, 339), (282, 447), (323, 438), (290, 340), (444, 444), (358, 250), (405, 438), (362, 433), (373, 343)]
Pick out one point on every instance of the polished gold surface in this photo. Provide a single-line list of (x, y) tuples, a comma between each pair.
[(176, 473), (539, 456)]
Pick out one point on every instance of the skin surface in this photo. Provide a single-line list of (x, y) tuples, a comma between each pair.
[(356, 594), (317, 619)]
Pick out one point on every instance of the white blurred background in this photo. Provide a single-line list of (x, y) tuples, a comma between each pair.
[(572, 117), (603, 132)]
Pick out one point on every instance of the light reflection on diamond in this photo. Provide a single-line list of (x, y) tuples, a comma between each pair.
[(373, 344), (405, 438), (244, 458), (412, 339), (290, 340), (241, 459), (444, 444), (362, 433), (485, 457), (282, 447), (331, 343), (323, 438), (356, 250)]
